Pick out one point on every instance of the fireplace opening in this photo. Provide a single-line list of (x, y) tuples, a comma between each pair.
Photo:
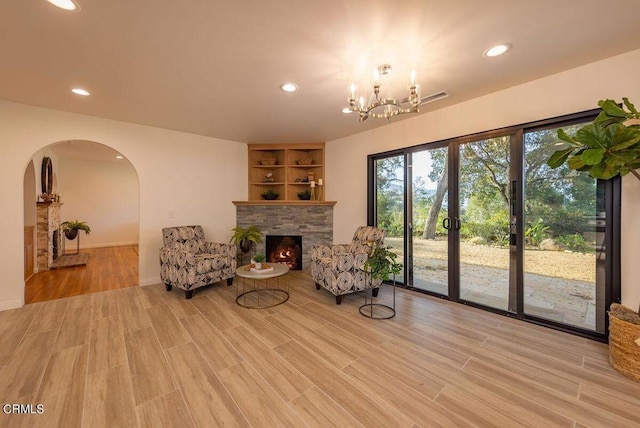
[(55, 244), (285, 249)]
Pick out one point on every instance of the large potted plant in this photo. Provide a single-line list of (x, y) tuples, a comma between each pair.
[(246, 238), (607, 147), (71, 228)]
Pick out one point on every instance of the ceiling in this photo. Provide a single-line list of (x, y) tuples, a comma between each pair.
[(214, 67)]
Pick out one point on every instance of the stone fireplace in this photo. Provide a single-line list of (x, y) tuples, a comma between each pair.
[(48, 242), (312, 222)]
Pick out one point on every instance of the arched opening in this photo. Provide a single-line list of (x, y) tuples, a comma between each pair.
[(95, 185)]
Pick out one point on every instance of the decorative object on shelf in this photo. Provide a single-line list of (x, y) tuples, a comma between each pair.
[(305, 161), (48, 197), (607, 147), (257, 260), (268, 160), (384, 106), (245, 239), (268, 177), (312, 186), (270, 195), (320, 192), (305, 195), (310, 176)]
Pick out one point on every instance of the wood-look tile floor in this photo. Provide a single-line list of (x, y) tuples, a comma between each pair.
[(145, 357)]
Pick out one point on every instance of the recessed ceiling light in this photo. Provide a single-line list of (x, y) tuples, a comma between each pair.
[(497, 50), (65, 4), (80, 91), (289, 87), (347, 110), (119, 157)]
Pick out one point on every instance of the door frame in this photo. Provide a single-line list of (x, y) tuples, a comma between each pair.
[(516, 260)]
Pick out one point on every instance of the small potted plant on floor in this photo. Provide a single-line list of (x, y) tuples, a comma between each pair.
[(257, 260), (71, 228)]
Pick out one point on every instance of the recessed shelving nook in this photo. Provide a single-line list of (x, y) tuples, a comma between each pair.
[(286, 170)]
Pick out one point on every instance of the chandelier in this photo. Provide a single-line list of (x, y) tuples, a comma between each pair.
[(380, 107)]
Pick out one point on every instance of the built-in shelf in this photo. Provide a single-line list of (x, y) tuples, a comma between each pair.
[(279, 202), (290, 166)]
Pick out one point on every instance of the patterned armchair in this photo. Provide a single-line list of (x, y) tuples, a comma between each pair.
[(188, 262), (339, 268)]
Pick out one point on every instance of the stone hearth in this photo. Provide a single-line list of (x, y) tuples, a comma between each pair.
[(314, 222)]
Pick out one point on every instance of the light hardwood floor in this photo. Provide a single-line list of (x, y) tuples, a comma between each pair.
[(145, 357)]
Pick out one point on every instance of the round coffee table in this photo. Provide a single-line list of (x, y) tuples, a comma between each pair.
[(262, 290)]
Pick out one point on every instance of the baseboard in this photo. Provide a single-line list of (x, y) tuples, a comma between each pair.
[(11, 304), (113, 244), (150, 281)]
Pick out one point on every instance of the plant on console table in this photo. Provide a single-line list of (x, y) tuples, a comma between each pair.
[(606, 148), (71, 228)]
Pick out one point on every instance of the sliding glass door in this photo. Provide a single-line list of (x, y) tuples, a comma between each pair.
[(484, 221)]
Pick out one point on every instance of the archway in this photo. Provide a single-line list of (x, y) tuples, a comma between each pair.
[(95, 184)]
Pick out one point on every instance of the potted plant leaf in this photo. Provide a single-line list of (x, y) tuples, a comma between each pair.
[(71, 228), (606, 148)]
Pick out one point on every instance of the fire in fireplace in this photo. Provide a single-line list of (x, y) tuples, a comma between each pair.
[(285, 249)]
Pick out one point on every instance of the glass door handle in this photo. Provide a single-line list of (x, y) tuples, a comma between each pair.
[(446, 223)]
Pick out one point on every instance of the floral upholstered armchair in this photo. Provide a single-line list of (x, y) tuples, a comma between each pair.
[(340, 268), (188, 262)]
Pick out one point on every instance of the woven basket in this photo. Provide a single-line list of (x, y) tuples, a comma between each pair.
[(624, 351)]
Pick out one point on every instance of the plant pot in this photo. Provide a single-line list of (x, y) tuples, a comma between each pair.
[(624, 341), (304, 197), (269, 197), (71, 234), (257, 265), (245, 245)]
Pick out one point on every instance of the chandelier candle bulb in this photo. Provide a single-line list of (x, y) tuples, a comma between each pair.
[(413, 78)]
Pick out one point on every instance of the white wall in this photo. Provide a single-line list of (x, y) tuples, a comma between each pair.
[(103, 194), (572, 91), (194, 177)]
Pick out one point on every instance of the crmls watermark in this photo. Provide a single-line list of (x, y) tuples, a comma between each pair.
[(34, 409)]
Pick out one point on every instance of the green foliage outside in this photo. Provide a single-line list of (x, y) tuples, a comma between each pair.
[(560, 203)]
